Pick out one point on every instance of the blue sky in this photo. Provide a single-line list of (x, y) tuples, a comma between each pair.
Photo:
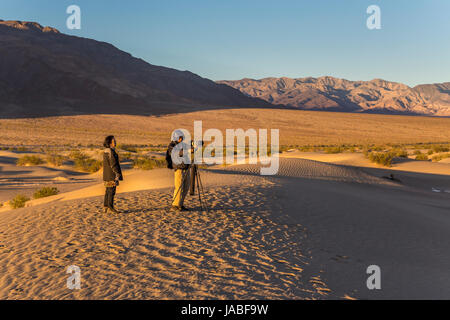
[(233, 39)]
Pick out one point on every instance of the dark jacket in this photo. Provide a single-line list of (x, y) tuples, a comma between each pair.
[(172, 165), (111, 165)]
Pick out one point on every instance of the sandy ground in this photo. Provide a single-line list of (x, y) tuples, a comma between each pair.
[(308, 233), (27, 179)]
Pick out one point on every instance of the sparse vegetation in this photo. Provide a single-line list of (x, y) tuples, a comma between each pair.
[(55, 159), (440, 157), (401, 153), (29, 161), (422, 157), (145, 163), (129, 147), (382, 158), (19, 201), (45, 192), (440, 148), (333, 150), (84, 163)]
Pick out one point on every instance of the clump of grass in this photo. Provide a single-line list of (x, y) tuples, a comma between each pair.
[(128, 147), (422, 157), (84, 163), (19, 201), (440, 157), (55, 159), (148, 163), (334, 150), (440, 148), (45, 192), (401, 153), (382, 158), (29, 161)]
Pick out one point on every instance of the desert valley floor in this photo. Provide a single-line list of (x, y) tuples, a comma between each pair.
[(308, 233)]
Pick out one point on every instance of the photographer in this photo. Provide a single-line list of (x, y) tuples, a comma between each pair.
[(181, 170)]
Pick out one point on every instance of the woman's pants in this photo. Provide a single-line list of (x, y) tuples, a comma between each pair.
[(109, 197)]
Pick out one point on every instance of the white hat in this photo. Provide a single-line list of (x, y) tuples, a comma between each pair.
[(177, 134)]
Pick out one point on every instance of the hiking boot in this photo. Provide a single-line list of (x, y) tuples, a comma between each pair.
[(183, 208), (176, 208), (105, 210)]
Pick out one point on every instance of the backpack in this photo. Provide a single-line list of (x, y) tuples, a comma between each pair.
[(169, 155)]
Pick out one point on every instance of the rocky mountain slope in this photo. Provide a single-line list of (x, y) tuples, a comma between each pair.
[(44, 72), (333, 94)]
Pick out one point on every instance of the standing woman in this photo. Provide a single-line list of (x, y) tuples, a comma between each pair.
[(112, 173)]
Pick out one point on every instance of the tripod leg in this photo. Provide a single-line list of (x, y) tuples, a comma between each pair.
[(193, 174), (200, 184)]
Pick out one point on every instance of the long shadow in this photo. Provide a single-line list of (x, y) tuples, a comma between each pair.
[(8, 160)]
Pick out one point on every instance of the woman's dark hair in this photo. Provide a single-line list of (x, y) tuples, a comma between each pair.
[(108, 141)]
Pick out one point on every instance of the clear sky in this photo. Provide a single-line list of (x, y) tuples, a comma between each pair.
[(234, 39)]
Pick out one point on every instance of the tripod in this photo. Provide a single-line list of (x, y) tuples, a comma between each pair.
[(195, 176), (195, 179)]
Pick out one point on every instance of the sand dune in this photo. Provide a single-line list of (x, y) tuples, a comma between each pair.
[(234, 251), (358, 160), (264, 237)]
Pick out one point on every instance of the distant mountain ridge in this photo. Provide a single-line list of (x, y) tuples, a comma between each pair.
[(334, 94), (44, 72)]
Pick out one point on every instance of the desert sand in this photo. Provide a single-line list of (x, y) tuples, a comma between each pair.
[(296, 127), (308, 233)]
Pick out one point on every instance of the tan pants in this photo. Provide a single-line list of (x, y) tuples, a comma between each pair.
[(181, 190)]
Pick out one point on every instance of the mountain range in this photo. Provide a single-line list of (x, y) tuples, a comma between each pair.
[(44, 73), (334, 94)]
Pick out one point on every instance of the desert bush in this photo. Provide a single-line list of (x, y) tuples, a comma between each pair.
[(19, 201), (401, 153), (45, 192), (422, 157), (84, 163), (440, 148), (430, 152), (29, 161), (88, 165), (383, 158), (378, 148), (148, 163), (55, 159), (334, 150), (307, 148), (440, 157)]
